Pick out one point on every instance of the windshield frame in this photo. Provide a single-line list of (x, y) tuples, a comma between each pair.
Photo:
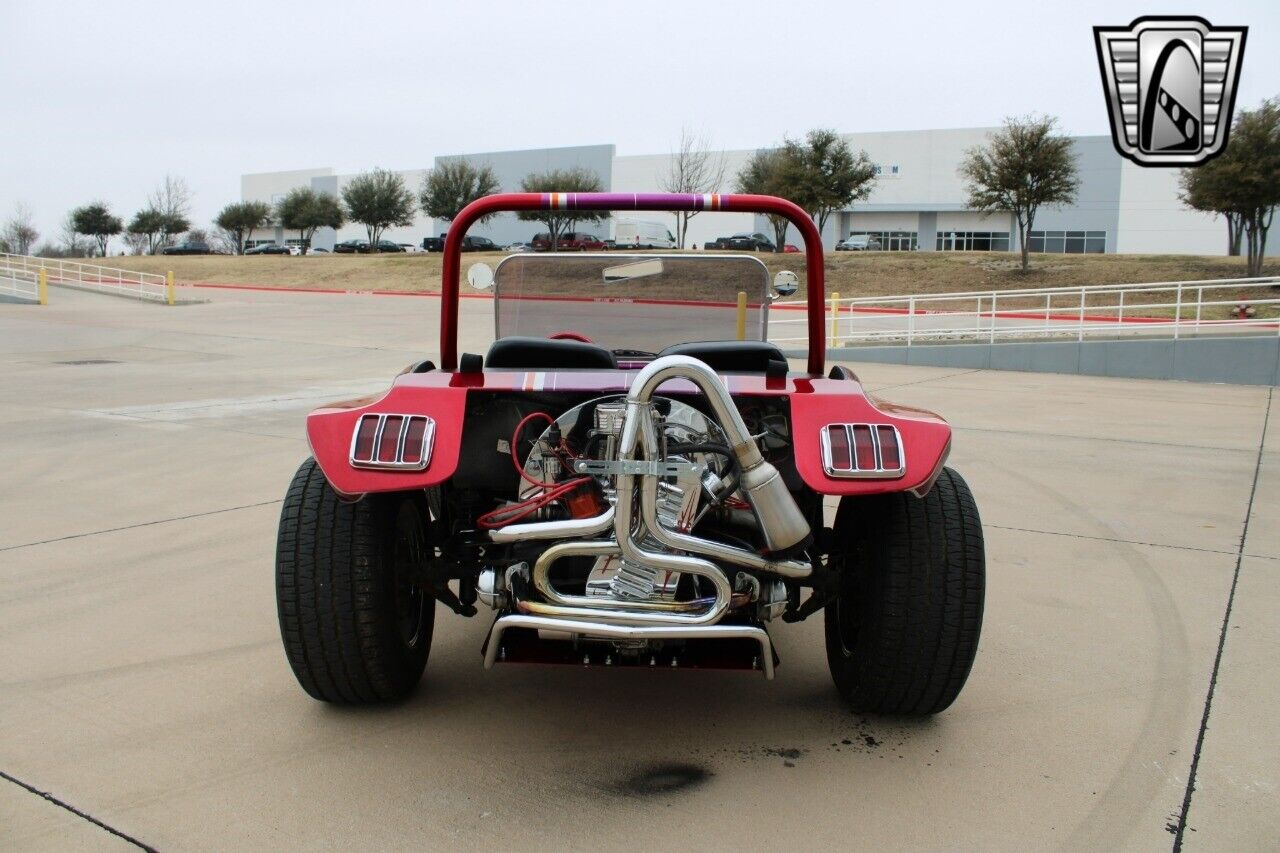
[(451, 266), (763, 298)]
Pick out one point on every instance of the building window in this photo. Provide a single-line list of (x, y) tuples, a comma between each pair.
[(1068, 242), (972, 241), (892, 241)]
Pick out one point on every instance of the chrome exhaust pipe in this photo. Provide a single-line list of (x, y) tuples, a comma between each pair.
[(541, 580), (716, 550), (781, 522), (570, 528)]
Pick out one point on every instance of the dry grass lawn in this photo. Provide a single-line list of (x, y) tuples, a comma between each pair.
[(848, 273)]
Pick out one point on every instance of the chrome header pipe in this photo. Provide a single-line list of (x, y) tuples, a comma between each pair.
[(540, 577), (781, 522), (709, 548), (569, 528)]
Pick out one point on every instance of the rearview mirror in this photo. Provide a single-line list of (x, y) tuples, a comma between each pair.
[(786, 283), (639, 269), (480, 276)]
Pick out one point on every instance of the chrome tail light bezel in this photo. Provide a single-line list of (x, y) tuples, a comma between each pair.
[(403, 448), (854, 471)]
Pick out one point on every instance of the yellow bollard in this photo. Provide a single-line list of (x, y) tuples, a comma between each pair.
[(168, 287), (43, 286), (742, 315), (835, 317)]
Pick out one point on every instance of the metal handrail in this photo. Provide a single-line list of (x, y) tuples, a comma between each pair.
[(1080, 312), (143, 285), (19, 282)]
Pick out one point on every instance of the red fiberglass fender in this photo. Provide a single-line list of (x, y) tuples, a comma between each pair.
[(817, 403), (442, 396), (330, 431)]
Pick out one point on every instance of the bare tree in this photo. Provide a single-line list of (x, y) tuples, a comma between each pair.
[(694, 168), (70, 243), (171, 199), (19, 232), (135, 242)]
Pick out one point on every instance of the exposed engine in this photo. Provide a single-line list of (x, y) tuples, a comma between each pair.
[(647, 524)]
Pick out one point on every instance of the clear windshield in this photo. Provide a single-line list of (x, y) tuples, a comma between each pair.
[(631, 301)]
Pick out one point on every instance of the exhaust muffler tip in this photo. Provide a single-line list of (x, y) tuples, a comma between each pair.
[(782, 524)]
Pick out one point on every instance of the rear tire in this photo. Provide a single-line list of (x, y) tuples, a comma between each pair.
[(903, 631), (355, 622)]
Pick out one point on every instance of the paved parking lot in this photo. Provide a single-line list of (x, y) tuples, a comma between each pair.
[(1134, 573)]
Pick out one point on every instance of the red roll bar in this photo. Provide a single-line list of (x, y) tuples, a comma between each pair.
[(501, 202)]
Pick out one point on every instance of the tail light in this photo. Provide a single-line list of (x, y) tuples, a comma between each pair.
[(396, 442), (862, 450)]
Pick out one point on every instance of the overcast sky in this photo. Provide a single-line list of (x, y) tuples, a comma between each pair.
[(102, 99)]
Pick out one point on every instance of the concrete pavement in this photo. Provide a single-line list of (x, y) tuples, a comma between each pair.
[(145, 451)]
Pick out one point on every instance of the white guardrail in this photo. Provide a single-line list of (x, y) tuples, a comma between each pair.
[(140, 285), (19, 283), (1157, 309)]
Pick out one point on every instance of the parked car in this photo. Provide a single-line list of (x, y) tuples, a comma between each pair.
[(519, 247), (859, 243), (570, 241), (478, 244), (187, 247), (349, 247), (469, 244), (269, 249), (743, 241), (639, 234), (791, 249), (411, 248), (389, 246), (624, 521)]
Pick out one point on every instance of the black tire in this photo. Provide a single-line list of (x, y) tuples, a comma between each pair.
[(903, 631), (356, 628)]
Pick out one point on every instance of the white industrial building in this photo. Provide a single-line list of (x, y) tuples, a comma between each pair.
[(918, 202)]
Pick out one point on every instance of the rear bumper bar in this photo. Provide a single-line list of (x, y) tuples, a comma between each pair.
[(598, 630)]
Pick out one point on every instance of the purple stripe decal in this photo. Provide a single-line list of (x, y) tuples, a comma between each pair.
[(632, 201)]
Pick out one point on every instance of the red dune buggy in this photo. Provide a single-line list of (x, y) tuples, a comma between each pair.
[(631, 476)]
